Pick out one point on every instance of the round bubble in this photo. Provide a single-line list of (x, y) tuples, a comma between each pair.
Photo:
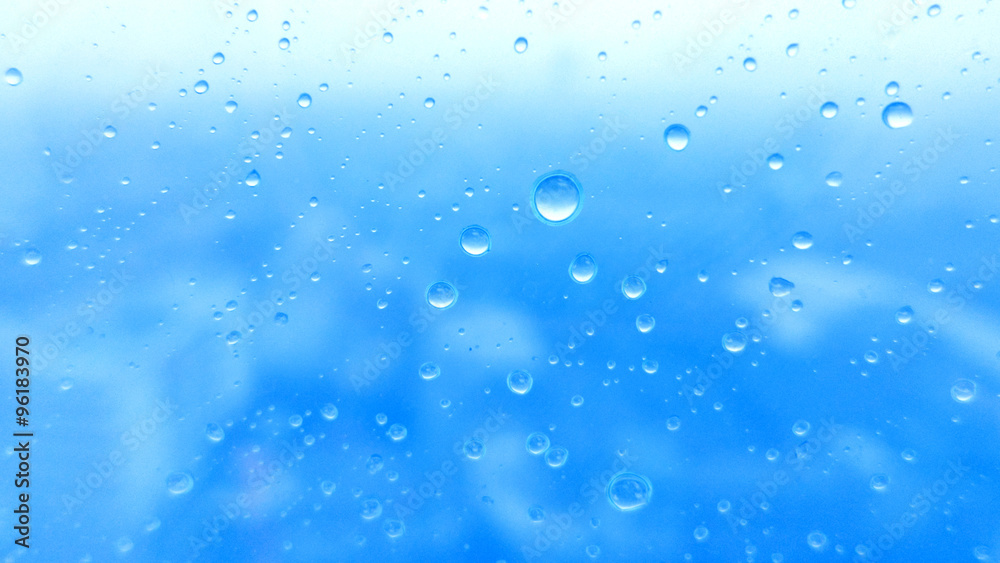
[(629, 491), (179, 483), (429, 370), (475, 240), (583, 268), (556, 456), (537, 443), (633, 287), (897, 115), (677, 137), (441, 295), (519, 381), (556, 198)]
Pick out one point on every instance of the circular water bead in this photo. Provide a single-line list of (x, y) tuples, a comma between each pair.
[(305, 100), (801, 427), (521, 45), (556, 456), (677, 137), (519, 381), (935, 286), (583, 268), (474, 448), (393, 528), (201, 87), (892, 88), (701, 533), (441, 295), (897, 115), (329, 411), (429, 370), (750, 64), (13, 76), (537, 443), (32, 256), (904, 315), (673, 423), (816, 540), (775, 161), (214, 432), (802, 240), (576, 401), (879, 481), (735, 342), (556, 198), (629, 491), (475, 240), (661, 266), (429, 103), (633, 287), (179, 482), (963, 390), (397, 432), (536, 513), (645, 322), (780, 287), (371, 509), (829, 110), (834, 179), (218, 58)]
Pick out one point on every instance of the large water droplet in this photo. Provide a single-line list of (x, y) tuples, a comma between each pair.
[(305, 100), (218, 58), (633, 287), (32, 256), (519, 381), (556, 456), (735, 342), (677, 137), (904, 315), (583, 268), (963, 390), (802, 240), (13, 76), (750, 64), (429, 370), (645, 322), (780, 287), (475, 240), (201, 87), (556, 198), (828, 110), (253, 178), (521, 45), (214, 432), (441, 295), (537, 443), (897, 115), (629, 491), (252, 15), (179, 482)]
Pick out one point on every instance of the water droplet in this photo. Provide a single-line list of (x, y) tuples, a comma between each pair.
[(387, 37), (963, 390), (233, 337), (218, 58), (110, 132), (775, 161), (397, 432), (429, 103), (429, 370), (904, 315), (556, 456), (780, 287), (393, 528), (371, 509), (441, 295), (673, 423), (834, 179), (602, 56), (661, 266), (633, 287), (231, 106), (802, 240), (801, 427), (817, 540), (935, 286), (201, 87), (583, 268), (536, 513), (519, 381), (475, 240), (792, 50), (280, 319), (329, 411), (32, 256), (828, 110), (892, 88), (474, 448), (556, 198), (305, 100), (735, 342), (576, 401), (252, 15), (179, 482), (253, 178), (13, 76), (295, 420), (879, 481), (521, 45), (677, 136), (645, 322), (701, 533), (750, 64), (537, 443), (214, 432), (934, 10), (897, 115), (629, 491)]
